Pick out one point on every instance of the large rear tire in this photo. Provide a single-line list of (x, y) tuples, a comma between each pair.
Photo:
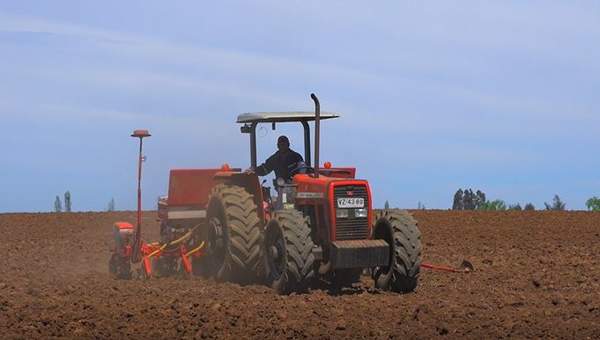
[(399, 229), (233, 234), (288, 257)]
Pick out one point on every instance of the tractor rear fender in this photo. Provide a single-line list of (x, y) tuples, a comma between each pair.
[(248, 181), (190, 187)]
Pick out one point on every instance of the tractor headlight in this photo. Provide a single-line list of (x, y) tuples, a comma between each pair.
[(341, 213), (362, 212)]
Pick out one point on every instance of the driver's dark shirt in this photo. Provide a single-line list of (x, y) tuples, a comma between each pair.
[(283, 164)]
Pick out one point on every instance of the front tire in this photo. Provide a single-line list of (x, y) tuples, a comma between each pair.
[(399, 229), (289, 261)]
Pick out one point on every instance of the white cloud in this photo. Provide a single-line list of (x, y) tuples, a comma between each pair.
[(156, 50)]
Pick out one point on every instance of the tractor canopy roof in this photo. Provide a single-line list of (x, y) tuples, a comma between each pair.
[(274, 117)]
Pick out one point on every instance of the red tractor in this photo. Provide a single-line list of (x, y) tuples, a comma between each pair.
[(319, 225)]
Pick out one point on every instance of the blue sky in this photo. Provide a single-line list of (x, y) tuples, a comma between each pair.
[(496, 95)]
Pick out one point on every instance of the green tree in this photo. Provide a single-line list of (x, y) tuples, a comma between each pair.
[(386, 206), (57, 204), (495, 205), (457, 203), (556, 204), (516, 206), (479, 199), (469, 200), (529, 207), (67, 201), (111, 205), (593, 204)]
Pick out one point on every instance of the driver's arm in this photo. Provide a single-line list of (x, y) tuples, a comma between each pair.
[(295, 164), (265, 168)]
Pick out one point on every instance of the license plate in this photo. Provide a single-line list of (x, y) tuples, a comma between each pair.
[(351, 202)]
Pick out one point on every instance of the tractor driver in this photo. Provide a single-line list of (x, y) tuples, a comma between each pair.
[(285, 161)]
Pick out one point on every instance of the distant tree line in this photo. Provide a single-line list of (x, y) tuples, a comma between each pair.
[(468, 200), (58, 206), (420, 205)]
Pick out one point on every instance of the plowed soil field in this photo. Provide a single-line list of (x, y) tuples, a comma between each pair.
[(537, 274)]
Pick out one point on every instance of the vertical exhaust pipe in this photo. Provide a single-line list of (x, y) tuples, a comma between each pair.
[(317, 131)]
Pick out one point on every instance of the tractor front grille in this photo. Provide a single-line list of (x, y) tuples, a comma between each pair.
[(351, 227)]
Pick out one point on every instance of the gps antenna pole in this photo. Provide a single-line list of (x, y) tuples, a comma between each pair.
[(137, 242), (317, 131)]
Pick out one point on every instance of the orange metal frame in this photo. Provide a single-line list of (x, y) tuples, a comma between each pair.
[(153, 251)]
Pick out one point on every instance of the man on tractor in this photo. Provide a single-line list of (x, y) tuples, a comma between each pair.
[(285, 161)]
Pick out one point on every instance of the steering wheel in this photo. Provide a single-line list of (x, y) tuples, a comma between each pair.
[(302, 168)]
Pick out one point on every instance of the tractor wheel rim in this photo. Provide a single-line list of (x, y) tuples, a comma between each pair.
[(387, 235), (276, 255), (216, 241)]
